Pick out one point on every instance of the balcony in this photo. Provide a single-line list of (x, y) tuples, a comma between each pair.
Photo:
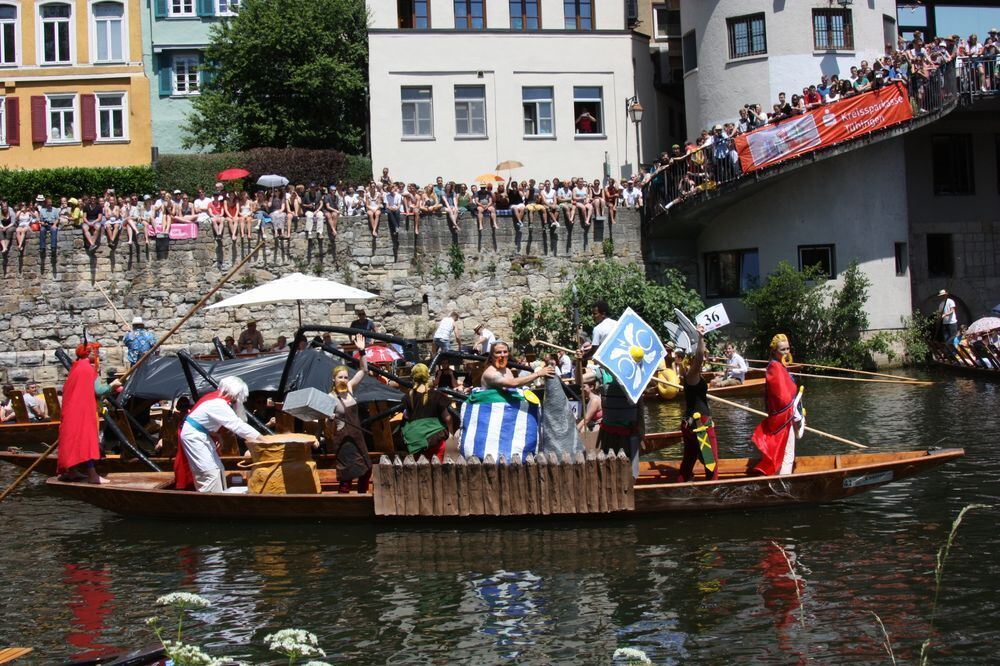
[(682, 195)]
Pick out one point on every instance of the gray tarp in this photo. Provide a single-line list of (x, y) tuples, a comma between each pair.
[(162, 378)]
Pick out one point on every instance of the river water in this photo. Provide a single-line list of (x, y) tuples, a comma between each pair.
[(705, 589)]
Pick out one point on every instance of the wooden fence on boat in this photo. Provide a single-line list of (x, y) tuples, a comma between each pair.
[(540, 485)]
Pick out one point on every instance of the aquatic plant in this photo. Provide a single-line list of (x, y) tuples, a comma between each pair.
[(630, 656), (887, 643), (294, 643), (942, 557)]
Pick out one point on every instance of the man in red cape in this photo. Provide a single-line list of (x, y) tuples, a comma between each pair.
[(775, 436), (78, 430)]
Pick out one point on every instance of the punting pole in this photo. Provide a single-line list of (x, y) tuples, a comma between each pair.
[(909, 380), (113, 307), (142, 360), (760, 413)]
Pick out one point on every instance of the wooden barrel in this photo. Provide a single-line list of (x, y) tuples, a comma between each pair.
[(282, 464)]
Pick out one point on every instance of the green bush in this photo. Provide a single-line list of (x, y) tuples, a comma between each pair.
[(823, 324), (621, 285), (918, 330), (18, 185), (299, 165)]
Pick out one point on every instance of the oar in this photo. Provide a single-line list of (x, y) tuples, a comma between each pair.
[(861, 379), (142, 360), (859, 372), (30, 469), (760, 413)]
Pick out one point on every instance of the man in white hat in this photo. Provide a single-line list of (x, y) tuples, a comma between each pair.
[(949, 318), (138, 341)]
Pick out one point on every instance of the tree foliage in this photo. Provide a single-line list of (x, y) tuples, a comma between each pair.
[(285, 73), (823, 324), (621, 285)]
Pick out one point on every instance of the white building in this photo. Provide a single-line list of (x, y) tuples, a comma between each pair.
[(738, 52), (459, 86)]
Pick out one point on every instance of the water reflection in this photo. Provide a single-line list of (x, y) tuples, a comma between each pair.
[(690, 589)]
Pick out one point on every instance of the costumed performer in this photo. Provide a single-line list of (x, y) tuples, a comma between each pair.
[(428, 422), (79, 445), (219, 409), (346, 434), (697, 426), (775, 436), (498, 376)]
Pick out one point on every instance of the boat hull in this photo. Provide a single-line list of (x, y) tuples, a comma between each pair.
[(749, 388), (969, 371), (821, 479), (29, 434)]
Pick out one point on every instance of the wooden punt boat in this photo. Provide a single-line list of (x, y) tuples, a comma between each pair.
[(816, 479), (115, 464), (33, 433), (749, 388), (967, 370)]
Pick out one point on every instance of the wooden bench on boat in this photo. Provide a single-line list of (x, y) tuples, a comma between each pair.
[(540, 485)]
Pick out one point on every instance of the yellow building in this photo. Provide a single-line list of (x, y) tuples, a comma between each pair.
[(74, 92)]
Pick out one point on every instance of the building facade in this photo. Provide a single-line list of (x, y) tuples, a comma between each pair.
[(457, 87), (176, 34), (74, 89), (738, 52)]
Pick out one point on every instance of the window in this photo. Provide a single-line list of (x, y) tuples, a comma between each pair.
[(111, 117), (818, 255), (889, 31), (902, 259), (940, 260), (62, 118), (186, 75), (470, 111), (181, 8), (537, 103), (108, 32), (951, 163), (524, 15), (832, 29), (56, 31), (470, 15), (8, 35), (588, 109), (666, 22), (689, 52), (731, 273), (227, 7), (579, 14), (413, 14), (417, 112), (746, 36)]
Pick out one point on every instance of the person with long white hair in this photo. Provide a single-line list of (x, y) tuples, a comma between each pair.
[(198, 464)]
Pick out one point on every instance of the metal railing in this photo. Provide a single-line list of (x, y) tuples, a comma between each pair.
[(978, 78), (692, 176)]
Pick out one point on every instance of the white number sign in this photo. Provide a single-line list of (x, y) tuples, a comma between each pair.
[(713, 318)]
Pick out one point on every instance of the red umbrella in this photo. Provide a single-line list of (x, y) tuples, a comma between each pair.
[(381, 354), (232, 174)]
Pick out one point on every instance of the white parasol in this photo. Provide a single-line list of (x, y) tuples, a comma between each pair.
[(272, 180), (984, 325), (295, 287)]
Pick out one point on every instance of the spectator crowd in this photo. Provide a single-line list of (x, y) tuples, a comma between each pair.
[(712, 157), (111, 218)]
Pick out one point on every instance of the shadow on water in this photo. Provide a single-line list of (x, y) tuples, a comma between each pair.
[(684, 589)]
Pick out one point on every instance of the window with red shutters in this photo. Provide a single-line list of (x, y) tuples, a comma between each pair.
[(39, 132), (12, 113), (88, 117)]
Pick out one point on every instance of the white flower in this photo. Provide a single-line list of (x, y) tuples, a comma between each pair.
[(183, 600), (190, 655), (316, 663), (630, 656), (294, 643), (152, 621)]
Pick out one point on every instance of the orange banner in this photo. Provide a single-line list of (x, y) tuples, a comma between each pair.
[(824, 126)]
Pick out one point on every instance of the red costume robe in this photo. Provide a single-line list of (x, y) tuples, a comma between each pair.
[(78, 430), (771, 436), (183, 476)]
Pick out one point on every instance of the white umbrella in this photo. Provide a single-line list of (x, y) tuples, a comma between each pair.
[(296, 287), (984, 325), (272, 180)]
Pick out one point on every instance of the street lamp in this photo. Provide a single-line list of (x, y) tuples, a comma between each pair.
[(635, 111)]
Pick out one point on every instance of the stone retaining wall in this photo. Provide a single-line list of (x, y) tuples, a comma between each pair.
[(415, 283)]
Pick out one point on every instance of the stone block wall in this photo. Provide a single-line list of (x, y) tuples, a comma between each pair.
[(417, 282)]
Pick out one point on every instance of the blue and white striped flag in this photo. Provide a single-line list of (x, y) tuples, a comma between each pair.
[(499, 423)]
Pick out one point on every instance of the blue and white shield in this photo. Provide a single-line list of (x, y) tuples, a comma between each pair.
[(614, 354)]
